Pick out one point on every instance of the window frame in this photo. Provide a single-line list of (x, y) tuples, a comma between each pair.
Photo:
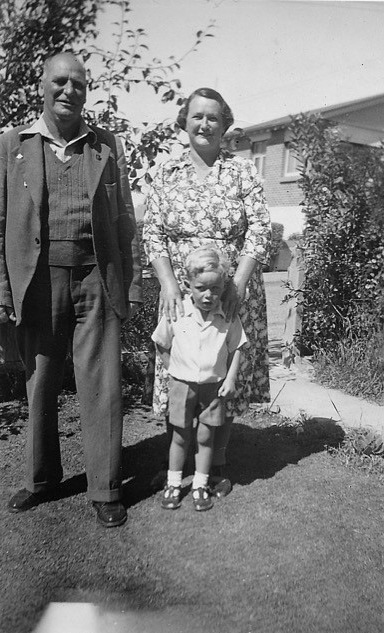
[(259, 156), (289, 176)]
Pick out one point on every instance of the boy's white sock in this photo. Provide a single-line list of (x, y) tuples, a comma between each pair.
[(174, 478), (200, 480)]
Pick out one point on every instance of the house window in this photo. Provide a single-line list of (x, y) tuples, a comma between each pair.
[(291, 164), (259, 150)]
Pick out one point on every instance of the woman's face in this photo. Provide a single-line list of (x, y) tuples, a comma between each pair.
[(204, 124)]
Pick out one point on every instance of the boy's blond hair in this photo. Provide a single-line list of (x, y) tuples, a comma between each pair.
[(206, 258)]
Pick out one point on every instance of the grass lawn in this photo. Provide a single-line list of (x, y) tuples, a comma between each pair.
[(297, 546)]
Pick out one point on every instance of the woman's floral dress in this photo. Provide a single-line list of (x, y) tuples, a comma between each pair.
[(227, 209)]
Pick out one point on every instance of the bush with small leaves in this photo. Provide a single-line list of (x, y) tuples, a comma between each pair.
[(343, 245)]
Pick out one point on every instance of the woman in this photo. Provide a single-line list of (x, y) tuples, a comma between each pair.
[(211, 196)]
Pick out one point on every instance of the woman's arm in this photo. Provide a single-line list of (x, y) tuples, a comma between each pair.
[(235, 291), (257, 238), (156, 249)]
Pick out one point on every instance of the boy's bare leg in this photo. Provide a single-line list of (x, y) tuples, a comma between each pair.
[(179, 447), (205, 442)]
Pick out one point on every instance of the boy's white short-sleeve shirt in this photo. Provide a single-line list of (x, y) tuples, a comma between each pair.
[(199, 349)]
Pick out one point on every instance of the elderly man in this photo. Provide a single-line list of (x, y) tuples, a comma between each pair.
[(69, 271)]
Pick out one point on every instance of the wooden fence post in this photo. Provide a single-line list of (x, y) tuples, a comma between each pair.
[(294, 311)]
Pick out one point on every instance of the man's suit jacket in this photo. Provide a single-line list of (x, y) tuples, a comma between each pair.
[(115, 239)]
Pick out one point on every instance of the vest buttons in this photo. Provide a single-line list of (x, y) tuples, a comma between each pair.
[(37, 241)]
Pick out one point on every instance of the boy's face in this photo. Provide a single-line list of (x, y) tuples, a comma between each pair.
[(206, 289)]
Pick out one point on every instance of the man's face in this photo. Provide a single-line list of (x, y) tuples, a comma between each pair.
[(65, 89)]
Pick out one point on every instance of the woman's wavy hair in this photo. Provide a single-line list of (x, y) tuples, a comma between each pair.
[(208, 93)]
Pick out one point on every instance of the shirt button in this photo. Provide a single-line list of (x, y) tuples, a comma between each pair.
[(37, 241)]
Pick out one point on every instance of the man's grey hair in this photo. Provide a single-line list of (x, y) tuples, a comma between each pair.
[(48, 61)]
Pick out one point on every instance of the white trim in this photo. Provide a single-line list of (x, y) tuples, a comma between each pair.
[(260, 136), (291, 175)]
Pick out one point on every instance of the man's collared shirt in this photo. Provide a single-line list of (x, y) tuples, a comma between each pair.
[(64, 152), (199, 349)]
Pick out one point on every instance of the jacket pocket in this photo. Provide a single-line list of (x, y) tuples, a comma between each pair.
[(111, 190)]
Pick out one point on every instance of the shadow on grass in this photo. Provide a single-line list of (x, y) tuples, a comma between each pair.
[(253, 453), (259, 453)]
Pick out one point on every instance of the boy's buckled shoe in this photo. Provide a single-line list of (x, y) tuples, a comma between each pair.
[(202, 499), (171, 499)]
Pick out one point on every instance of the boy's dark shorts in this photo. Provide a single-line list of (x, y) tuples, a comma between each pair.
[(188, 400)]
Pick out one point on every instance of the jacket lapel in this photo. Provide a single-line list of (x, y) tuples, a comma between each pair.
[(95, 159), (30, 157)]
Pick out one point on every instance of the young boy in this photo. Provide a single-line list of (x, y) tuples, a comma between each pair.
[(201, 352)]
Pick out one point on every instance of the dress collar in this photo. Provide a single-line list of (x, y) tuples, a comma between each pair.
[(185, 160)]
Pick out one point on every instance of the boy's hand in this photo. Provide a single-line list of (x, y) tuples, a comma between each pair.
[(227, 389)]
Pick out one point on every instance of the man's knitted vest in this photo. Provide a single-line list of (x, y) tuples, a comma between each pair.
[(69, 209)]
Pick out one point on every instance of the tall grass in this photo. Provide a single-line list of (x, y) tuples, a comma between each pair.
[(355, 366), (361, 448)]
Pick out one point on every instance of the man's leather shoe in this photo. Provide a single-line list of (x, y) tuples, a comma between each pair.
[(25, 500), (110, 513)]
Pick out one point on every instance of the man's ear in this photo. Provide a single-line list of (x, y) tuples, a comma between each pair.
[(40, 89)]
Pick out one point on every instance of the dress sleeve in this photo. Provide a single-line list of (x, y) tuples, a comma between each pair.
[(154, 236), (257, 242)]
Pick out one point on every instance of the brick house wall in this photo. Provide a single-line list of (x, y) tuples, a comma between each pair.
[(280, 191)]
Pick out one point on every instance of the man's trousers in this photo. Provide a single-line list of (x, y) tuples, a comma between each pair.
[(68, 304)]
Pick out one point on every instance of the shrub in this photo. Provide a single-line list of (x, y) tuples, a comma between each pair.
[(343, 186), (137, 346)]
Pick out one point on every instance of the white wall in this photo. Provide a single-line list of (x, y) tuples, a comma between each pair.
[(292, 218)]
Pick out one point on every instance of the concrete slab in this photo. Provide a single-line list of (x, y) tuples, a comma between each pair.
[(293, 391)]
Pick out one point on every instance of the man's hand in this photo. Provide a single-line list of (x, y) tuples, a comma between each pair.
[(7, 314)]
